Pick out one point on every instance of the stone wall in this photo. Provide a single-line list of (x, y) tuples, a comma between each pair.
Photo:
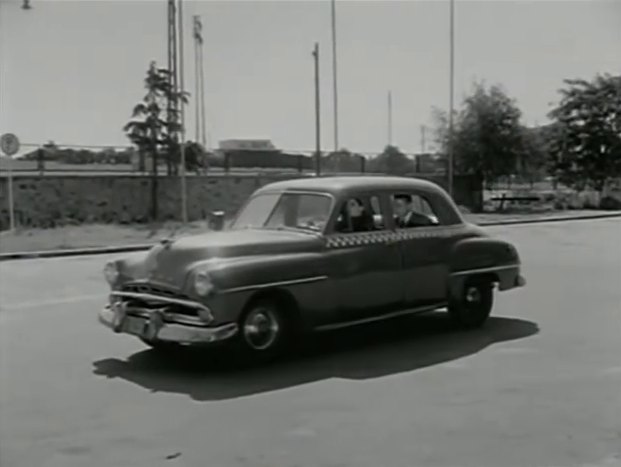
[(49, 200)]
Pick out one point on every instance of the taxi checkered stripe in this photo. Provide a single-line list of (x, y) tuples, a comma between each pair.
[(370, 238)]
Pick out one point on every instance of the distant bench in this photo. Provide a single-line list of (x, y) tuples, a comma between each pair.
[(520, 199)]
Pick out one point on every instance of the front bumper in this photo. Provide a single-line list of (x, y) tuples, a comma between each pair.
[(520, 281), (152, 327)]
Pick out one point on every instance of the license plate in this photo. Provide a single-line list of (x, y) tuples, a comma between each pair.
[(134, 326)]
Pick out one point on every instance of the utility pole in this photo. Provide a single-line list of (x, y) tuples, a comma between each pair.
[(334, 79), (202, 91), (197, 78), (184, 199), (200, 81), (451, 91), (390, 118), (317, 113)]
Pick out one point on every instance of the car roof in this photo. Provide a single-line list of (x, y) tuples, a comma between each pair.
[(343, 185)]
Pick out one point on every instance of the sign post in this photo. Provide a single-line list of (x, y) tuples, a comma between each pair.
[(9, 144)]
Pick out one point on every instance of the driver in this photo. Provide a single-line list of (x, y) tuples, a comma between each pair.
[(406, 216)]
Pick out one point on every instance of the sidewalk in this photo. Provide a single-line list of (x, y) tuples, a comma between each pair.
[(95, 238)]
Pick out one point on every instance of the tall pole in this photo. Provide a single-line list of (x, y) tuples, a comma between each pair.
[(184, 201), (11, 200), (197, 79), (317, 113), (452, 78), (334, 79), (390, 118), (202, 92)]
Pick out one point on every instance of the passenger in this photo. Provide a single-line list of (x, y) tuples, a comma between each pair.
[(406, 216), (359, 219)]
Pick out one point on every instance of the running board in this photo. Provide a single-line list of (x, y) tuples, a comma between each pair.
[(395, 314)]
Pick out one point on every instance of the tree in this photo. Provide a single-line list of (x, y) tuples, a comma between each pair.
[(342, 160), (391, 161), (195, 157), (149, 130), (533, 159), (586, 144), (487, 135)]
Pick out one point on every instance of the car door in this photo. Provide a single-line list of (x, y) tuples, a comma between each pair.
[(423, 251), (365, 266)]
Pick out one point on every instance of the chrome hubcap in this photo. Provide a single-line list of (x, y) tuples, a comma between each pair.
[(261, 328), (473, 295)]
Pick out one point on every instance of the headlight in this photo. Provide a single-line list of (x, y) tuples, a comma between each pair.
[(111, 272), (202, 284)]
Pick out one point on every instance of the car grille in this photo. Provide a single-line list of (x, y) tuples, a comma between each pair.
[(153, 290), (150, 289)]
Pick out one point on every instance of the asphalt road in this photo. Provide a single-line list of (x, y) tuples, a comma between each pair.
[(540, 385)]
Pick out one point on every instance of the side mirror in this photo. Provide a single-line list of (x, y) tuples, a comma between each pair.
[(216, 222)]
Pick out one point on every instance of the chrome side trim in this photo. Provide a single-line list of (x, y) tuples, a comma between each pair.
[(159, 299), (489, 269), (395, 314), (273, 284)]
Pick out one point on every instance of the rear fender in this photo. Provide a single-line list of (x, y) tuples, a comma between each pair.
[(489, 259)]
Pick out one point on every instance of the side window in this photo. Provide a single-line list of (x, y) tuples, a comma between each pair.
[(360, 214), (413, 210)]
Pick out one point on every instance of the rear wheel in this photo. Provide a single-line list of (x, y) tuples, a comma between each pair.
[(472, 308)]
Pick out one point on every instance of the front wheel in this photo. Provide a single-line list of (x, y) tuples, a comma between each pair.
[(262, 329), (472, 308)]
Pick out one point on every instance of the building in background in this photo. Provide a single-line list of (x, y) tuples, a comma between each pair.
[(247, 145)]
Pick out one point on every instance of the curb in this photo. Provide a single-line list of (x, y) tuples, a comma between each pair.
[(144, 247), (549, 219), (73, 252)]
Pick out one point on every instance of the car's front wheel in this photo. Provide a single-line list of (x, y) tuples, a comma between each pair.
[(263, 329), (472, 308)]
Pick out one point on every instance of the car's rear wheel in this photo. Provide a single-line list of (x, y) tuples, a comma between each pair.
[(263, 329), (472, 308)]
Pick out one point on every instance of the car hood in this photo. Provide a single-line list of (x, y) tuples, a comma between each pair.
[(169, 262)]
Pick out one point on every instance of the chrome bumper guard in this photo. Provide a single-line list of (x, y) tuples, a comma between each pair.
[(158, 324)]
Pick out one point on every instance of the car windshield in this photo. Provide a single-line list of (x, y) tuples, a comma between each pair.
[(287, 210)]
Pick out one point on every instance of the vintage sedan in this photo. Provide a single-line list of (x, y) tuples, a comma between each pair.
[(312, 254)]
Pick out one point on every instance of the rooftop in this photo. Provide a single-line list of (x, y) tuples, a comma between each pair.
[(339, 184)]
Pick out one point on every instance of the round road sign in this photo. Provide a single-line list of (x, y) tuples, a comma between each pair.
[(9, 144)]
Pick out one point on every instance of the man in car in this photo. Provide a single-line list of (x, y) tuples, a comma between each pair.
[(406, 216)]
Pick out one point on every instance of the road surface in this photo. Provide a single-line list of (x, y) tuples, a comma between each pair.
[(539, 386)]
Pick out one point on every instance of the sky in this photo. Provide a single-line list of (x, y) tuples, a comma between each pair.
[(71, 71)]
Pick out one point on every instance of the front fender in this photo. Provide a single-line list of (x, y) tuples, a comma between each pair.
[(131, 267), (253, 271), (303, 276)]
